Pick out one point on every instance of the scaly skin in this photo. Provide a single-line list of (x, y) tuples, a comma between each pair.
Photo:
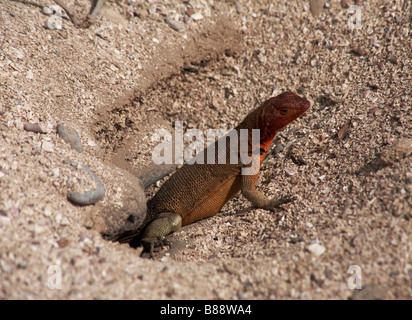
[(198, 191)]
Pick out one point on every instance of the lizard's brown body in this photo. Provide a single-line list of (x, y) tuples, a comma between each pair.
[(198, 191)]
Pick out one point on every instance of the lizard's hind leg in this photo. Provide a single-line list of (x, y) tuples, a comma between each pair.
[(155, 233)]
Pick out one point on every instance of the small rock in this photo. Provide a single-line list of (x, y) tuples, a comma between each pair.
[(64, 222), (38, 229), (314, 62), (63, 243), (88, 197), (175, 25), (278, 148), (54, 22), (29, 74), (47, 146), (230, 269), (34, 127), (346, 207), (317, 249), (47, 11), (316, 7), (313, 180), (197, 16), (207, 12), (70, 136), (190, 11), (344, 4), (238, 7), (393, 60), (56, 172), (290, 171), (187, 19), (141, 13), (199, 233), (343, 132), (91, 143), (359, 51), (19, 54), (3, 127)]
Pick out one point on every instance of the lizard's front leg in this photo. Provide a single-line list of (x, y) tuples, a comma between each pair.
[(154, 234), (257, 198)]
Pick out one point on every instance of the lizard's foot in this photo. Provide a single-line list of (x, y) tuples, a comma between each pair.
[(275, 203), (152, 245), (261, 201)]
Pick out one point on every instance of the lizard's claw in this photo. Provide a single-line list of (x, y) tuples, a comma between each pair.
[(275, 203), (151, 245)]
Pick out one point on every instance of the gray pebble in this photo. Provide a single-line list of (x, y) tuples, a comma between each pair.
[(34, 127), (175, 25), (88, 197), (70, 136)]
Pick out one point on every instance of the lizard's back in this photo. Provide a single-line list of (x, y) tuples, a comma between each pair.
[(196, 191)]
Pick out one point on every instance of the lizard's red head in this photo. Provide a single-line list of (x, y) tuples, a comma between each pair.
[(281, 110)]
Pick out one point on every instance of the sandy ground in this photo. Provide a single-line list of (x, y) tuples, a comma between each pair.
[(347, 160)]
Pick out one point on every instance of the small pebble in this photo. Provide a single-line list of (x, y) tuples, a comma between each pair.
[(34, 127), (91, 143), (313, 180), (316, 249), (197, 16), (29, 74), (190, 11), (19, 54), (63, 243), (47, 146), (290, 171), (278, 148), (316, 7), (88, 197), (393, 60), (70, 136), (53, 23), (187, 19), (359, 51), (3, 127), (141, 13), (47, 11), (175, 25), (238, 7)]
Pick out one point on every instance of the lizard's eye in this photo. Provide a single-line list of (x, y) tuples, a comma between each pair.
[(284, 111)]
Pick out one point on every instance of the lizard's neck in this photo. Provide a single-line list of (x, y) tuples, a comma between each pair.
[(256, 120)]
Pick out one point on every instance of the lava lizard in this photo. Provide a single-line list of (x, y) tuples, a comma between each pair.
[(197, 191)]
